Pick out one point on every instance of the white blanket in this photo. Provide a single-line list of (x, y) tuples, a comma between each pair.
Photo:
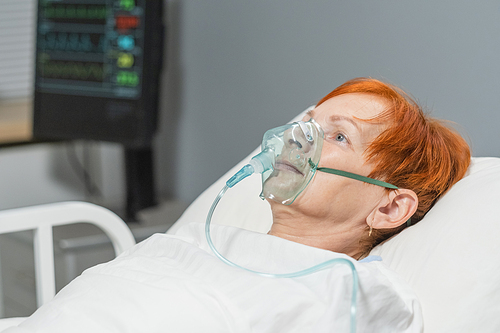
[(173, 283)]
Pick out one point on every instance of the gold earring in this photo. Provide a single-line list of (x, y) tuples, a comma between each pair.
[(371, 229)]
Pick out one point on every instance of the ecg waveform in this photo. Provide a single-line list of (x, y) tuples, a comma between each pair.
[(72, 42), (91, 47), (71, 13), (71, 70)]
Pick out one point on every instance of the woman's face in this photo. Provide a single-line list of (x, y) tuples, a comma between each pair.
[(346, 139)]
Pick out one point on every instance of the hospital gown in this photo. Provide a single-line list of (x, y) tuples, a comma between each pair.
[(174, 283)]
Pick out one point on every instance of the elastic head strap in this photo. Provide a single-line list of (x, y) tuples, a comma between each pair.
[(353, 176), (357, 177)]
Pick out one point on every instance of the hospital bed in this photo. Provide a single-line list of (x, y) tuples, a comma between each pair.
[(450, 258)]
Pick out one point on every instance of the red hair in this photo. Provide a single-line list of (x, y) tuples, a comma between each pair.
[(415, 151)]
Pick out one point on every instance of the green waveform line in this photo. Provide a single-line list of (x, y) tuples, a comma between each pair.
[(72, 70), (70, 42), (91, 12)]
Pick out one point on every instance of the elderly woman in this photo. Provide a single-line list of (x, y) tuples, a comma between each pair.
[(174, 283), (375, 130)]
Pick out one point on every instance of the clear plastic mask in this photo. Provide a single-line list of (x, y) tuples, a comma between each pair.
[(297, 149)]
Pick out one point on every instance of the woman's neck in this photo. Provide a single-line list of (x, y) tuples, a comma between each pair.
[(336, 236)]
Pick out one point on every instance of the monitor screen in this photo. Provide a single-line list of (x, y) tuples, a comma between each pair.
[(97, 70)]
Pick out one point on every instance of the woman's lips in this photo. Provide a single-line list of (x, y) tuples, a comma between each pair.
[(281, 165)]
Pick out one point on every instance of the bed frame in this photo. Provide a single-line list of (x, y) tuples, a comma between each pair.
[(41, 219)]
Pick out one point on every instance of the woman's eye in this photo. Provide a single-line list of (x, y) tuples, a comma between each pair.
[(340, 137)]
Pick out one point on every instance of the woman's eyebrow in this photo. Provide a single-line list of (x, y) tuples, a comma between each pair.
[(335, 118)]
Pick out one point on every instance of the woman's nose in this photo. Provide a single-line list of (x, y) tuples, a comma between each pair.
[(294, 138), (294, 142)]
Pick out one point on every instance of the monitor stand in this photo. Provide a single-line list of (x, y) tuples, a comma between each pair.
[(139, 171)]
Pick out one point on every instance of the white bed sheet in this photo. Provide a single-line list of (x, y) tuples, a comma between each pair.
[(174, 283)]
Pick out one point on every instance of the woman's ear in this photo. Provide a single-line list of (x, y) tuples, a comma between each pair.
[(397, 208)]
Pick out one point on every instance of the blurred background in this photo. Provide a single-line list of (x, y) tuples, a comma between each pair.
[(233, 69)]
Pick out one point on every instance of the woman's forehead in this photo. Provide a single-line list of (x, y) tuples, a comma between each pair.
[(352, 109), (353, 105)]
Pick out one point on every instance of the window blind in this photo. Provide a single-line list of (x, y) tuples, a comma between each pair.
[(17, 48)]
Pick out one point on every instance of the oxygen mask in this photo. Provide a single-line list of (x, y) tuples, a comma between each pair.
[(287, 161), (295, 150)]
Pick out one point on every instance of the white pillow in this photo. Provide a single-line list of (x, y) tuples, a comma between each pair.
[(451, 257), (239, 207)]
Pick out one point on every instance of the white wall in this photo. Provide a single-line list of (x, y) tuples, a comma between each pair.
[(238, 68), (43, 173)]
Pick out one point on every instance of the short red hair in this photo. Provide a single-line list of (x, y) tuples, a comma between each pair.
[(415, 152)]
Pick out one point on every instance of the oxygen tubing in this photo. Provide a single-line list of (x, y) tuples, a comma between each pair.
[(324, 265)]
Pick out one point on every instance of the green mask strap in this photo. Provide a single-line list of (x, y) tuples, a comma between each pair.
[(353, 176), (357, 177)]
